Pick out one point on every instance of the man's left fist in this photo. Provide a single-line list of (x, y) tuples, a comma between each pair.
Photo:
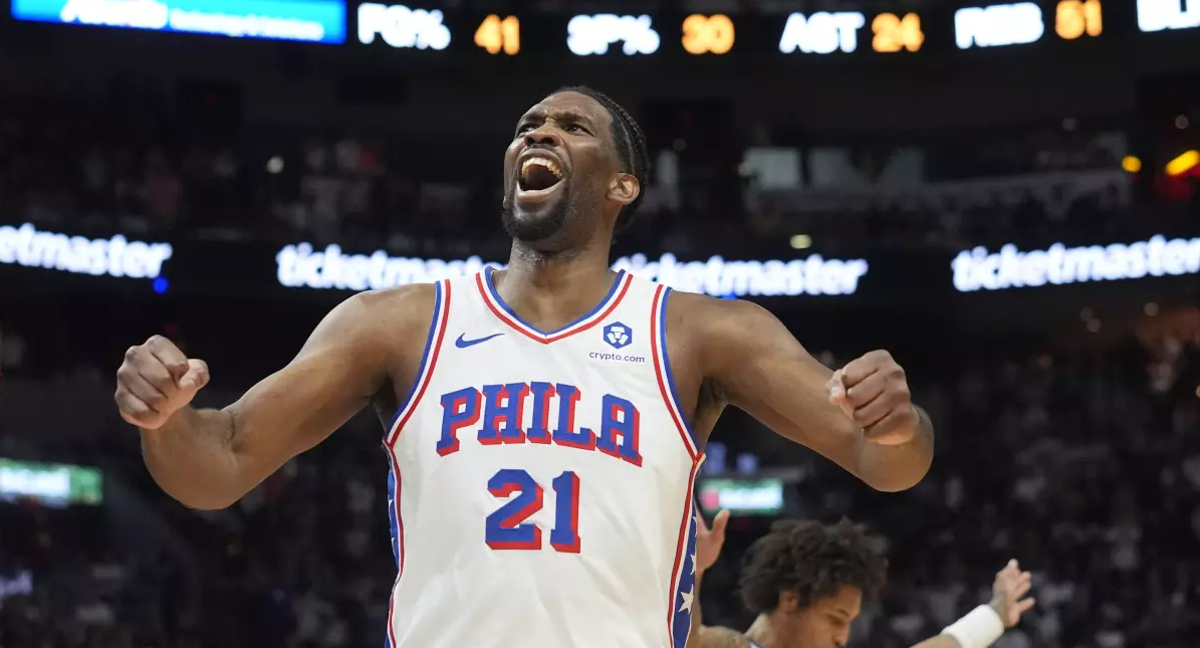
[(873, 391)]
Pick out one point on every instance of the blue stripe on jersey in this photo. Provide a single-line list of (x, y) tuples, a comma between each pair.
[(429, 338), (662, 344), (685, 600), (491, 286), (393, 523)]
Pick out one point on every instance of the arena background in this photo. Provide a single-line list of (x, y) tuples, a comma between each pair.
[(851, 164)]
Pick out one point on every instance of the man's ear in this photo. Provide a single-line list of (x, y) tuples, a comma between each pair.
[(788, 601), (624, 188)]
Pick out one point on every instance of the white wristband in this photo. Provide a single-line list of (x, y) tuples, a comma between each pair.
[(980, 628)]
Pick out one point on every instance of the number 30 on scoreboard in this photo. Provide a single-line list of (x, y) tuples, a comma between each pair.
[(707, 34), (495, 34)]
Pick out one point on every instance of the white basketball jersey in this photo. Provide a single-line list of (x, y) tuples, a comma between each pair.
[(541, 482)]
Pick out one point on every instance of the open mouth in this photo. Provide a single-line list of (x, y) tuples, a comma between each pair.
[(539, 174)]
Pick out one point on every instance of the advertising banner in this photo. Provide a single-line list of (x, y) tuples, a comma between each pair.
[(31, 258), (50, 484), (300, 266), (114, 257), (314, 21), (1159, 256)]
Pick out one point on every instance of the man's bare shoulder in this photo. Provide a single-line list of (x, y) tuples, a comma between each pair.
[(402, 303), (384, 319), (707, 320), (711, 311), (707, 637)]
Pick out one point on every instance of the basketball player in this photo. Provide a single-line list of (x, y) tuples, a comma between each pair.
[(808, 583), (544, 423)]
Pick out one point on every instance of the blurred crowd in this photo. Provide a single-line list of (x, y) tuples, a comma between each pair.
[(1082, 464), (124, 161)]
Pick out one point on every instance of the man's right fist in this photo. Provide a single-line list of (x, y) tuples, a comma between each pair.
[(156, 380)]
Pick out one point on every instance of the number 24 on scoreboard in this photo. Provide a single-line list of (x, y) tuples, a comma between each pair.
[(495, 34), (893, 33)]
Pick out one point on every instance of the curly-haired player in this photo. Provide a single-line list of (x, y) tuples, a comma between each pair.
[(808, 582)]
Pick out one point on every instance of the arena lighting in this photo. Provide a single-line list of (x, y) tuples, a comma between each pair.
[(316, 21), (1183, 163), (1010, 268), (299, 266), (402, 27), (1131, 164), (821, 33), (1157, 15), (115, 257), (588, 35), (998, 25)]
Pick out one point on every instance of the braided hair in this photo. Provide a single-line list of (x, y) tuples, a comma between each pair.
[(631, 147)]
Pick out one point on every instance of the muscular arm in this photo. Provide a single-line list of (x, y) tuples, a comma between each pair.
[(758, 366), (210, 458)]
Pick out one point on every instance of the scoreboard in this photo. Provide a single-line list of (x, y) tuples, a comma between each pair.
[(424, 30), (795, 34), (894, 34)]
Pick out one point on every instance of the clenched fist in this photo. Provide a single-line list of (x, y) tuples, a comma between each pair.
[(156, 380), (873, 391)]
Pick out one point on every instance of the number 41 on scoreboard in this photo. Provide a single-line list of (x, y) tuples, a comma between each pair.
[(495, 34)]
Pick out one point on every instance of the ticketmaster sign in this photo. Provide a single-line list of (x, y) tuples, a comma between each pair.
[(1011, 268), (115, 257), (299, 266)]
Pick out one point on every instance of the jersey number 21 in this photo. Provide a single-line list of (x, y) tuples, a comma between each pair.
[(507, 528)]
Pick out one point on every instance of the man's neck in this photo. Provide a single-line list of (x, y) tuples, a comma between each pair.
[(763, 634), (553, 289)]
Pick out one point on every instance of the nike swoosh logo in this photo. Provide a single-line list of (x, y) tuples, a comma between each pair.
[(463, 343)]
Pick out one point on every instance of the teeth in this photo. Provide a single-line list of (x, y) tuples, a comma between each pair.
[(549, 164)]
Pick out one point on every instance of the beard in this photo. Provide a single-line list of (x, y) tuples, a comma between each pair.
[(536, 227)]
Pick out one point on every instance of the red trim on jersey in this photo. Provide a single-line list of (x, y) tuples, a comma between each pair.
[(590, 322), (427, 375), (680, 548), (429, 363), (668, 400)]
